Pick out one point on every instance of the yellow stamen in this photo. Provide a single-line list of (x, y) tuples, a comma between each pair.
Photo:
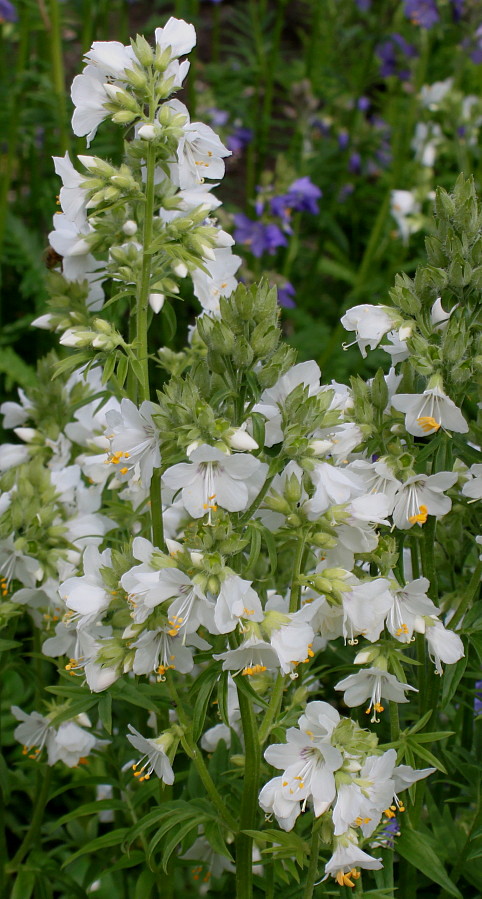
[(427, 423), (255, 669), (421, 518)]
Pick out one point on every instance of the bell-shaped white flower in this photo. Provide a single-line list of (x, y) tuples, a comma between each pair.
[(333, 486), (362, 802), (236, 601), (420, 496), (444, 645), (473, 487), (89, 97), (69, 744), (87, 596), (347, 857), (213, 478), (178, 35), (371, 323), (73, 198), (252, 657), (410, 605), (217, 281), (427, 412), (134, 440), (200, 152), (154, 751), (373, 684)]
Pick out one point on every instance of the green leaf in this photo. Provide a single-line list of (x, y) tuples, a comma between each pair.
[(254, 549), (113, 838), (16, 370), (8, 644), (177, 837), (169, 322), (413, 847), (105, 711), (205, 683), (24, 884), (223, 698), (145, 884), (91, 808), (452, 677), (243, 685), (426, 755)]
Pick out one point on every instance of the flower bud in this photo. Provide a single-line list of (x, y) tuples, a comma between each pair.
[(241, 440), (147, 132), (129, 228), (156, 301), (180, 269)]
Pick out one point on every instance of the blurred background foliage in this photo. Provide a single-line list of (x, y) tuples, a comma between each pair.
[(334, 91)]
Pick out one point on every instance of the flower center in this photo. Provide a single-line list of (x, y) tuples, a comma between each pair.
[(427, 423), (421, 517), (346, 880)]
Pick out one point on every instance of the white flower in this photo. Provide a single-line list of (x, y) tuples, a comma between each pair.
[(444, 645), (154, 750), (362, 802), (89, 97), (16, 565), (178, 35), (73, 198), (473, 487), (370, 324), (404, 776), (111, 57), (364, 608), (87, 595), (253, 657), (274, 802), (333, 486), (199, 154), (69, 744), (13, 454), (236, 600), (373, 684), (421, 496), (378, 478), (157, 651), (345, 859), (410, 605), (213, 478), (427, 412), (16, 414), (405, 210), (34, 731), (218, 281), (308, 767), (134, 440)]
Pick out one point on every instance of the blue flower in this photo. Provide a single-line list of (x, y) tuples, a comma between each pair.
[(258, 237), (285, 296), (8, 13), (393, 53), (422, 12)]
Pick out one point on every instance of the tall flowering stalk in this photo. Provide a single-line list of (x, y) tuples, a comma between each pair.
[(297, 551)]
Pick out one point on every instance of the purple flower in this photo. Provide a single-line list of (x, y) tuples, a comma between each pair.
[(393, 53), (478, 697), (285, 296), (218, 117), (363, 103), (390, 830), (343, 140), (474, 46), (8, 13), (258, 237), (363, 5), (239, 139), (354, 163), (422, 12), (457, 9)]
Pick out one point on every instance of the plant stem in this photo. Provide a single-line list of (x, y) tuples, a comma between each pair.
[(273, 709), (468, 596), (58, 77), (249, 800), (256, 502), (37, 813), (295, 585), (313, 865), (142, 329), (198, 760)]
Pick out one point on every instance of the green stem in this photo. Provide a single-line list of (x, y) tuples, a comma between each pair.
[(295, 585), (272, 710), (313, 865), (142, 330), (428, 557), (198, 760), (394, 721), (249, 800), (35, 822), (256, 502), (58, 76), (468, 596), (156, 510)]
